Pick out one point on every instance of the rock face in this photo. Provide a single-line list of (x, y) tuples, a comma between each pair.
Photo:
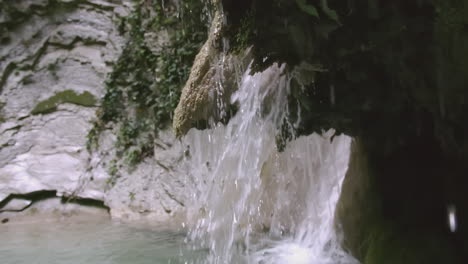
[(376, 232), (196, 93), (54, 58), (356, 196), (205, 97), (154, 189)]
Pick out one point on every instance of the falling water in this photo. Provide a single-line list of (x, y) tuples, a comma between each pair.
[(255, 204)]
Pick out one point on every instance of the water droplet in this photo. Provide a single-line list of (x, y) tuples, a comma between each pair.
[(452, 218)]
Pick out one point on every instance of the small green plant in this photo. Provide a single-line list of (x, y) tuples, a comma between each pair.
[(313, 11), (28, 79), (307, 8), (131, 195), (93, 137), (113, 171), (53, 68), (2, 118), (133, 156)]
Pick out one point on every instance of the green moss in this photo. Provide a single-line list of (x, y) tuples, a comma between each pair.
[(2, 118), (113, 170), (53, 68), (50, 105), (144, 87)]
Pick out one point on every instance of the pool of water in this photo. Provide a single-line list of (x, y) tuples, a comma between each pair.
[(88, 241)]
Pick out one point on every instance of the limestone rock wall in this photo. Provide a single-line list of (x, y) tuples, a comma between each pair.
[(54, 58), (155, 189)]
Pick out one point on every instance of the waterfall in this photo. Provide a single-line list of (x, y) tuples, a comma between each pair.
[(254, 204)]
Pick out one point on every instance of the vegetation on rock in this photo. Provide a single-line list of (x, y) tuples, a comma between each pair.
[(145, 85), (2, 118)]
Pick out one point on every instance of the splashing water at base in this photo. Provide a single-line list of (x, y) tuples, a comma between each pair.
[(287, 253), (254, 204)]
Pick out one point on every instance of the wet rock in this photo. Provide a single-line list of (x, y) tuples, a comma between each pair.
[(206, 95), (195, 95), (356, 197)]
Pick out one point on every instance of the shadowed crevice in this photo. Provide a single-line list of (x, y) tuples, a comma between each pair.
[(37, 196)]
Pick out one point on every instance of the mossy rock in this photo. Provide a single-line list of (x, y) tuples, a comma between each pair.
[(144, 87), (50, 105)]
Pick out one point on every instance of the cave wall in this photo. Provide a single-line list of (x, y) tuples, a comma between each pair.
[(391, 74), (387, 67)]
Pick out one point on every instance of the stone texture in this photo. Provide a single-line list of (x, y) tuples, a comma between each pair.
[(53, 47), (68, 47), (194, 95), (155, 188), (54, 208), (16, 205), (356, 196), (206, 95)]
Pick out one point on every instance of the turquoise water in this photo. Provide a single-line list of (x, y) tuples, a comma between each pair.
[(88, 241)]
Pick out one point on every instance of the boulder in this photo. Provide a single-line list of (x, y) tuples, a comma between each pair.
[(206, 95)]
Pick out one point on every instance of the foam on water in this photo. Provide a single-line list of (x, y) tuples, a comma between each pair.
[(254, 204)]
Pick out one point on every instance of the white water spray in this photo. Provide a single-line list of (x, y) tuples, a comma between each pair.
[(255, 204)]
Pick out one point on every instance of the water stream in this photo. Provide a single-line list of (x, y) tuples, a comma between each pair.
[(253, 204)]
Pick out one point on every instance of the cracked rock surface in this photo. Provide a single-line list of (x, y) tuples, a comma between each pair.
[(54, 58)]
